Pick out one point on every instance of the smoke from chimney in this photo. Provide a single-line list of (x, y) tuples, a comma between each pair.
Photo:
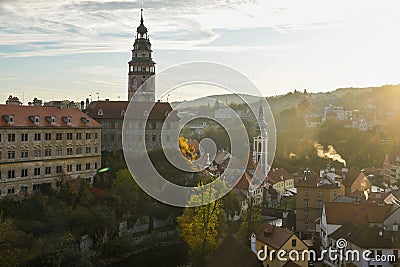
[(330, 154)]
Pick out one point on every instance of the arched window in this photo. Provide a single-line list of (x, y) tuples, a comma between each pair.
[(100, 112)]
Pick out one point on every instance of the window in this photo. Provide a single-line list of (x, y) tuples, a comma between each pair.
[(306, 192), (88, 150), (11, 190), (294, 242), (79, 150), (58, 151), (88, 136), (306, 215), (69, 151), (306, 225), (320, 204), (78, 167), (47, 136), (11, 174), (69, 168), (96, 135), (87, 166), (95, 165), (58, 136), (47, 170), (153, 138), (37, 171), (78, 136), (319, 193), (37, 152), (96, 149), (334, 193), (69, 136), (24, 154), (24, 172), (11, 137), (11, 154), (306, 203), (59, 169), (36, 187), (38, 137), (24, 137), (47, 152)]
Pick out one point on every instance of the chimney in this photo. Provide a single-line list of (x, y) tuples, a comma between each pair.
[(13, 101), (83, 105), (37, 102), (253, 243), (87, 103)]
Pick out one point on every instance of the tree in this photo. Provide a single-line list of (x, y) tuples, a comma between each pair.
[(202, 227), (12, 250), (126, 189), (251, 223)]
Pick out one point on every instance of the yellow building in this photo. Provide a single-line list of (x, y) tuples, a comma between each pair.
[(38, 145), (280, 179), (283, 246)]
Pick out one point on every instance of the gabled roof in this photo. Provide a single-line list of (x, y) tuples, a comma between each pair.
[(350, 177), (364, 213), (277, 175), (244, 181), (365, 236), (23, 117), (274, 236)]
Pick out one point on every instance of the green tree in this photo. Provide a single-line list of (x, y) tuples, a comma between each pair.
[(12, 250), (127, 191), (251, 223)]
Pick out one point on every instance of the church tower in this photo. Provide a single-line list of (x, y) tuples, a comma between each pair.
[(260, 144), (141, 67)]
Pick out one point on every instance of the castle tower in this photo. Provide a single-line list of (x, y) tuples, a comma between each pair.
[(260, 144), (141, 67)]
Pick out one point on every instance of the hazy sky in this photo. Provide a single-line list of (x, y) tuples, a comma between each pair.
[(65, 49)]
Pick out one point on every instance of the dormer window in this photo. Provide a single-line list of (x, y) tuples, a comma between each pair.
[(35, 119), (67, 120), (122, 112), (85, 120), (9, 118), (51, 119), (166, 113), (100, 112), (145, 113)]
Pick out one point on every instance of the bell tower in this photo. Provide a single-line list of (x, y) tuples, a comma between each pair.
[(260, 143), (141, 67)]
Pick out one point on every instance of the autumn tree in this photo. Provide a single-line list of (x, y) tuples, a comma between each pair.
[(251, 223), (203, 227)]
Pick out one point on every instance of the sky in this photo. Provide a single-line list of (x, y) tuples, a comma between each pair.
[(74, 49)]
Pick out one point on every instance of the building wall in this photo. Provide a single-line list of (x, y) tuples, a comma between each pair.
[(46, 160), (275, 262), (316, 197)]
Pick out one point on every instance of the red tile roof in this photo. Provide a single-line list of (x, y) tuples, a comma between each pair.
[(274, 236), (276, 175), (340, 212), (23, 117), (116, 110)]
